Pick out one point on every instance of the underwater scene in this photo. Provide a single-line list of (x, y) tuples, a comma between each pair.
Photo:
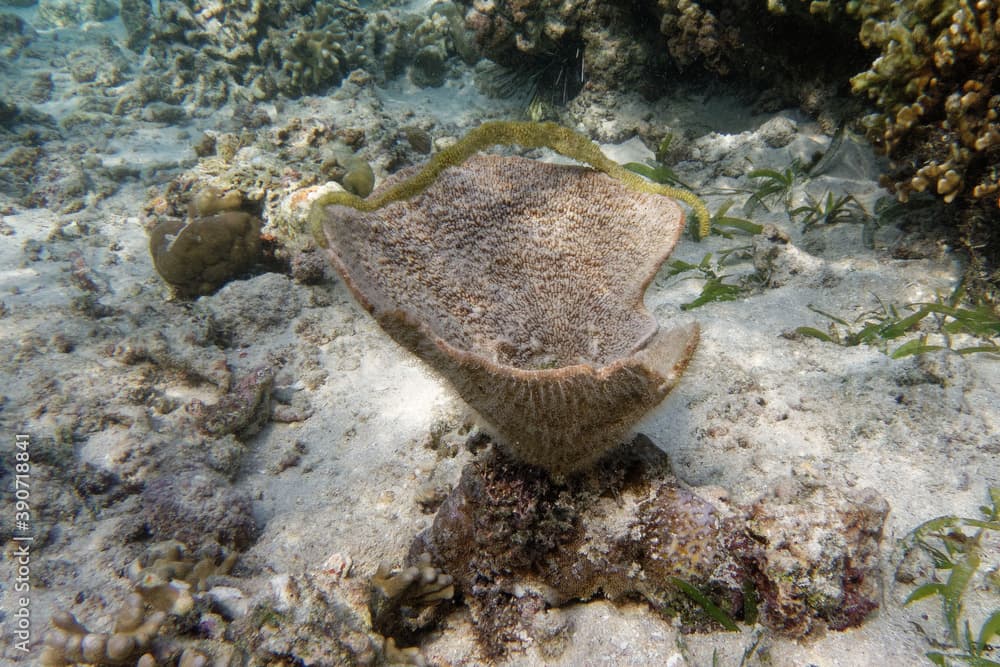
[(494, 332)]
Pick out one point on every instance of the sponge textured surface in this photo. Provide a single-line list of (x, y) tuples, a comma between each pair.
[(521, 282)]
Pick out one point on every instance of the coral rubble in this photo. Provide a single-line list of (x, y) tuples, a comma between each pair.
[(214, 54), (200, 509), (821, 549), (243, 411), (316, 618), (72, 13)]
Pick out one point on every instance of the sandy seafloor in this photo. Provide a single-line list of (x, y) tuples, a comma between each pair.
[(754, 404)]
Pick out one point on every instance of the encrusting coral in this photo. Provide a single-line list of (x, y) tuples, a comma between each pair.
[(521, 282)]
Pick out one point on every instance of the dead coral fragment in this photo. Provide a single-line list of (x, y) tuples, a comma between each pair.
[(518, 541), (310, 619), (819, 567), (521, 282), (684, 536), (69, 642), (199, 508), (243, 411), (421, 583)]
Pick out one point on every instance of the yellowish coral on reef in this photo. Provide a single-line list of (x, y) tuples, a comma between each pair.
[(70, 643), (935, 86), (694, 32)]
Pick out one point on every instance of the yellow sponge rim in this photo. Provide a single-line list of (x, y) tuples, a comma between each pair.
[(560, 139)]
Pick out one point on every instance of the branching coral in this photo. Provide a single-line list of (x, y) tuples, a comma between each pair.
[(62, 14), (319, 52), (169, 561), (165, 577), (215, 52), (208, 50), (935, 85), (405, 602)]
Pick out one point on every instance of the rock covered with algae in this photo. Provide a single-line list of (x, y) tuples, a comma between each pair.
[(515, 541), (521, 283)]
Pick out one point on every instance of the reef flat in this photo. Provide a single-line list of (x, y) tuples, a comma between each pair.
[(221, 458)]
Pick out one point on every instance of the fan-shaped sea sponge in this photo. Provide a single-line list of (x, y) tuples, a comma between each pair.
[(521, 282)]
